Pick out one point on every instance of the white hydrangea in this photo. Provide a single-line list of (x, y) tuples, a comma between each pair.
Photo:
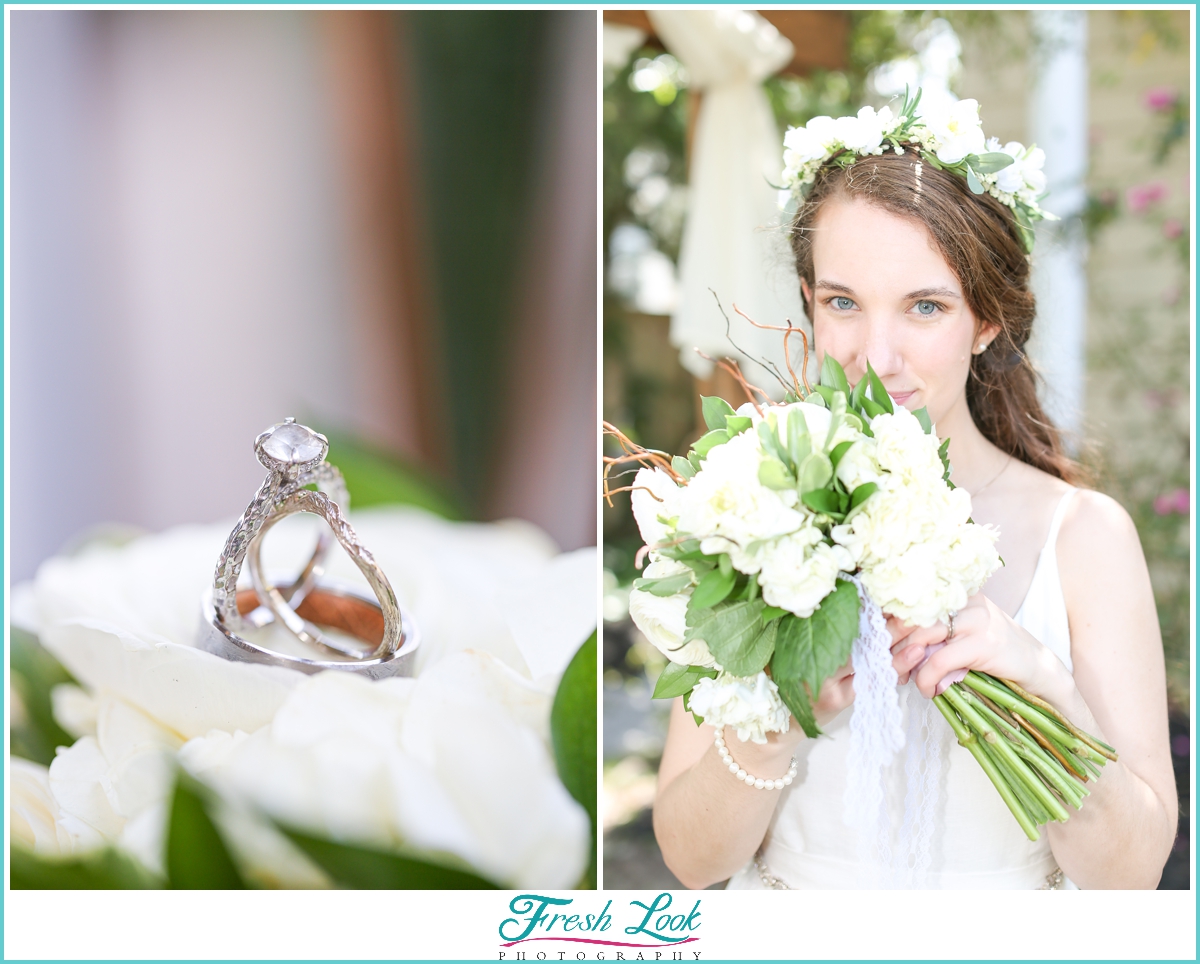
[(801, 569), (749, 704), (663, 619), (902, 448), (921, 558), (730, 510)]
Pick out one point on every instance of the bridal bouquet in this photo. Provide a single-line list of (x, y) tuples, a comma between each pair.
[(785, 535)]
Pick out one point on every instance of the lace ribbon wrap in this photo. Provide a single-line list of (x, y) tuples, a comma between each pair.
[(877, 734)]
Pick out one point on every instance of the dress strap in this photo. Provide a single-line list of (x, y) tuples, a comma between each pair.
[(1056, 522)]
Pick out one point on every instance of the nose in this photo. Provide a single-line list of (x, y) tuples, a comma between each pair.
[(879, 347)]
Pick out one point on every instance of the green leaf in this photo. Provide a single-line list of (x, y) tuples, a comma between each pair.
[(824, 396), (695, 458), (871, 408), (664, 585), (944, 455), (878, 392), (751, 592), (931, 160), (107, 869), (791, 691), (815, 648), (991, 162), (856, 396), (35, 734), (737, 424), (973, 182), (573, 732), (774, 475), (833, 375), (715, 410), (735, 635), (862, 493), (772, 612), (922, 415), (815, 473), (822, 500), (706, 443), (839, 450), (725, 563), (196, 856), (678, 680), (374, 477), (713, 588), (682, 466), (363, 868), (770, 440), (799, 440)]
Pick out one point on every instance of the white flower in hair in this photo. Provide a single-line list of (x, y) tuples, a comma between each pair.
[(1024, 177), (958, 130)]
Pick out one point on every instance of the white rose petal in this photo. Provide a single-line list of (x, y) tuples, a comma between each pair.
[(654, 497)]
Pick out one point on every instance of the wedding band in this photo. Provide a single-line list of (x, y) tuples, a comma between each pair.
[(339, 607), (294, 456), (950, 624)]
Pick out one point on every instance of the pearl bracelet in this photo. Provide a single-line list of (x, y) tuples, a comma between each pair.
[(757, 782)]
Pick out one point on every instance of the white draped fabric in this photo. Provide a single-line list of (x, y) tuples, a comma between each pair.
[(731, 239)]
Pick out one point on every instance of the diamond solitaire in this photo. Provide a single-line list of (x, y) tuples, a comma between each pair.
[(289, 446)]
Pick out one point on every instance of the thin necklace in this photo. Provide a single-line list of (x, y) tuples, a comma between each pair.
[(1003, 469)]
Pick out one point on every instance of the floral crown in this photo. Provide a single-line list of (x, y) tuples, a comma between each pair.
[(950, 139)]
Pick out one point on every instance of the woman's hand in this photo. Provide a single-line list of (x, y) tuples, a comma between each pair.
[(985, 639)]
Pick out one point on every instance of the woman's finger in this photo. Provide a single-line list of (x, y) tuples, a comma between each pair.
[(908, 659), (959, 654)]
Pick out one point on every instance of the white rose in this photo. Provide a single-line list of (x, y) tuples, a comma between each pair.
[(858, 465), (653, 499), (663, 619), (34, 815), (957, 130), (751, 705), (123, 620), (451, 761)]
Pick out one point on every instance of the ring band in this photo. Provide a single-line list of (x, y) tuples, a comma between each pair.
[(950, 624), (340, 607), (294, 457)]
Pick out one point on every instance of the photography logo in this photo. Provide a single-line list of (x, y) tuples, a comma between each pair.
[(559, 929)]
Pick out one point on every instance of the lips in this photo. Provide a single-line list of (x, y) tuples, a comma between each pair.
[(901, 397)]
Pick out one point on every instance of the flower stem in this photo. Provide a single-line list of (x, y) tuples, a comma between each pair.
[(1051, 770), (1099, 746), (1016, 765), (972, 743)]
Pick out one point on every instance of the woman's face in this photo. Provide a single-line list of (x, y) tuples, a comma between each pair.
[(884, 293)]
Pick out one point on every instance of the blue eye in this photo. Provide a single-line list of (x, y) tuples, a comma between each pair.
[(927, 308), (843, 304)]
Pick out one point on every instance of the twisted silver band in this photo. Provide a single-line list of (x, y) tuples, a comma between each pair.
[(294, 457)]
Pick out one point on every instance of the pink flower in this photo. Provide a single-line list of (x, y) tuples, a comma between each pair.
[(1160, 98), (1179, 501), (1139, 197), (1172, 228)]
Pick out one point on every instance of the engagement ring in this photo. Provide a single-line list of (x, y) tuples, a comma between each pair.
[(381, 640)]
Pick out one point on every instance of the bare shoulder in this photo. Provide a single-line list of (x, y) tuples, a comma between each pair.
[(1097, 522), (1100, 556)]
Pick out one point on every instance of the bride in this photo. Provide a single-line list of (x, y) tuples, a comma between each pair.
[(901, 264)]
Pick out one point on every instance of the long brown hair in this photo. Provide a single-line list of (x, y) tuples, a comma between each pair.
[(978, 237)]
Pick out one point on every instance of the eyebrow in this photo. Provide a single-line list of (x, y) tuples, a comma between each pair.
[(920, 293)]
